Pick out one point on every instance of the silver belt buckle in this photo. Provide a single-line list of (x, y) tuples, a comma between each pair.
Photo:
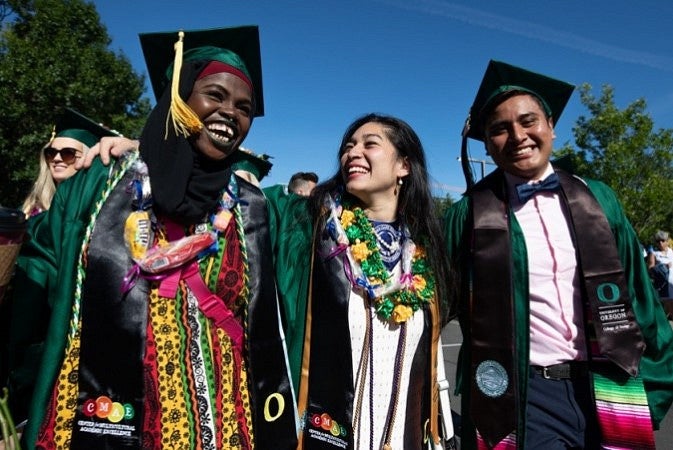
[(545, 373)]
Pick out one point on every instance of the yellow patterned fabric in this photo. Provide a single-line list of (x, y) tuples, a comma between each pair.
[(67, 393), (196, 384), (120, 367)]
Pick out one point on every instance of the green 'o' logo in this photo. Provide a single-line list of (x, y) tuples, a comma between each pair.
[(608, 292)]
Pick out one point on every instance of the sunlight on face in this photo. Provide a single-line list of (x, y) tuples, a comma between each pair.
[(61, 170)]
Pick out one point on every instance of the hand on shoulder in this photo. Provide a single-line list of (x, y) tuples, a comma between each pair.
[(107, 147)]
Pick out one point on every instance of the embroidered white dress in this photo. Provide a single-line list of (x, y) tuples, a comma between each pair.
[(384, 345)]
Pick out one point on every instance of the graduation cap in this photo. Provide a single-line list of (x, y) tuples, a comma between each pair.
[(499, 79), (237, 47), (74, 125), (244, 159)]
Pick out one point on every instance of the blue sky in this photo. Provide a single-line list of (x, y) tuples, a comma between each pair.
[(327, 62)]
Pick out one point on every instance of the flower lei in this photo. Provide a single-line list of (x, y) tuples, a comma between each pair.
[(417, 284)]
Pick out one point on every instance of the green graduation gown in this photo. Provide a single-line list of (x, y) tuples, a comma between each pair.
[(656, 366), (43, 299)]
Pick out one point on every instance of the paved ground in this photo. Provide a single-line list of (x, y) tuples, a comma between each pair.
[(451, 339)]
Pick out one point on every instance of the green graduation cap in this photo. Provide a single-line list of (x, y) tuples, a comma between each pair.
[(501, 77), (74, 125), (237, 47), (244, 159)]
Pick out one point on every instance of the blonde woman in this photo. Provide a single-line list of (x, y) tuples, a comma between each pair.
[(71, 138)]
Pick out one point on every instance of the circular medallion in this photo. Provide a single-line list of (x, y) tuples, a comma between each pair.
[(491, 378), (389, 240)]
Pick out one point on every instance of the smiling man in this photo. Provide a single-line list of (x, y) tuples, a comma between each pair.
[(564, 336)]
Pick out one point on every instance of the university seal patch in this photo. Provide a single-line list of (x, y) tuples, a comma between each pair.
[(491, 378)]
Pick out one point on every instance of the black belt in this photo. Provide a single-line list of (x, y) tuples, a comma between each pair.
[(563, 371)]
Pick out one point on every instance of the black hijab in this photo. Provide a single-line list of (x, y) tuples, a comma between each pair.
[(185, 184)]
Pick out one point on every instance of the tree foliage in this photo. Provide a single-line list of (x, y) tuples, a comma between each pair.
[(622, 149), (442, 204), (55, 53)]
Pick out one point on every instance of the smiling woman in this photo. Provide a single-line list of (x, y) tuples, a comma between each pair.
[(365, 287), (173, 338), (224, 100), (72, 136)]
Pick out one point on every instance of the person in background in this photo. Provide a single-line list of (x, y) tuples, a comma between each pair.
[(364, 280), (162, 325), (660, 263), (72, 136), (302, 183), (565, 343)]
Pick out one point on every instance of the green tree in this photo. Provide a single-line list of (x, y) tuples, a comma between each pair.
[(55, 53), (442, 204), (622, 149)]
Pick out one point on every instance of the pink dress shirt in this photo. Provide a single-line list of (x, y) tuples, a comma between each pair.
[(556, 312)]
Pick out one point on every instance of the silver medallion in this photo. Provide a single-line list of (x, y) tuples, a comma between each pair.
[(491, 378)]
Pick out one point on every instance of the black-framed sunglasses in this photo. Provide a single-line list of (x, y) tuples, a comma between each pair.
[(68, 154)]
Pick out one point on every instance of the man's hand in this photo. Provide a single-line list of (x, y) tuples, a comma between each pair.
[(108, 146)]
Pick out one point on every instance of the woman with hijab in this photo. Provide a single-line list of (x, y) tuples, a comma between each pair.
[(363, 323), (163, 330), (73, 135)]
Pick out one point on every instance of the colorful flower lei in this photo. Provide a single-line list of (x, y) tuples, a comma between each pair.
[(417, 288)]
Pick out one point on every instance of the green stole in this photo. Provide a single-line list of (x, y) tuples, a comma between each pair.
[(494, 376)]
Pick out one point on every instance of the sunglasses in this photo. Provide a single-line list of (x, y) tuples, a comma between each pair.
[(68, 155)]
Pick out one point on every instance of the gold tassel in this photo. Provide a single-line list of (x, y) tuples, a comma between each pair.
[(53, 134), (185, 121)]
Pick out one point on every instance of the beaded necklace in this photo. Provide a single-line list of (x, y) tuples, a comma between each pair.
[(396, 300)]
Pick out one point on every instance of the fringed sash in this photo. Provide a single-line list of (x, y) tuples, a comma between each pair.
[(494, 372)]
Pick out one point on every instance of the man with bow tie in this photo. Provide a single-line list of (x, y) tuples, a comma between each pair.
[(565, 344)]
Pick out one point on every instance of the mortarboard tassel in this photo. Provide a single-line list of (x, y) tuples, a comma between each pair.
[(465, 157), (185, 121)]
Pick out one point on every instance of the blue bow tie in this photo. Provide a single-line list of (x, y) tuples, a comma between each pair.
[(526, 191)]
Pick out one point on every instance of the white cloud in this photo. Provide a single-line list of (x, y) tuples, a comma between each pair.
[(553, 36)]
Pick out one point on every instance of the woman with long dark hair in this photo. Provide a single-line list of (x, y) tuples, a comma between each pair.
[(364, 340)]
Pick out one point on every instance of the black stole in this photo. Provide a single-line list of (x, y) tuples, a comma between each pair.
[(273, 410), (113, 332), (327, 391), (114, 326), (494, 373)]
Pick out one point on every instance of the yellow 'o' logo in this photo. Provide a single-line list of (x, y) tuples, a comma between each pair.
[(280, 402)]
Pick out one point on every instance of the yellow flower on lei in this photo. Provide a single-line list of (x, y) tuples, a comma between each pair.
[(360, 251), (347, 218), (402, 313), (418, 282), (398, 305)]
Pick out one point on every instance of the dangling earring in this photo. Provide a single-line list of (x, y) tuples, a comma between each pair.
[(397, 187)]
